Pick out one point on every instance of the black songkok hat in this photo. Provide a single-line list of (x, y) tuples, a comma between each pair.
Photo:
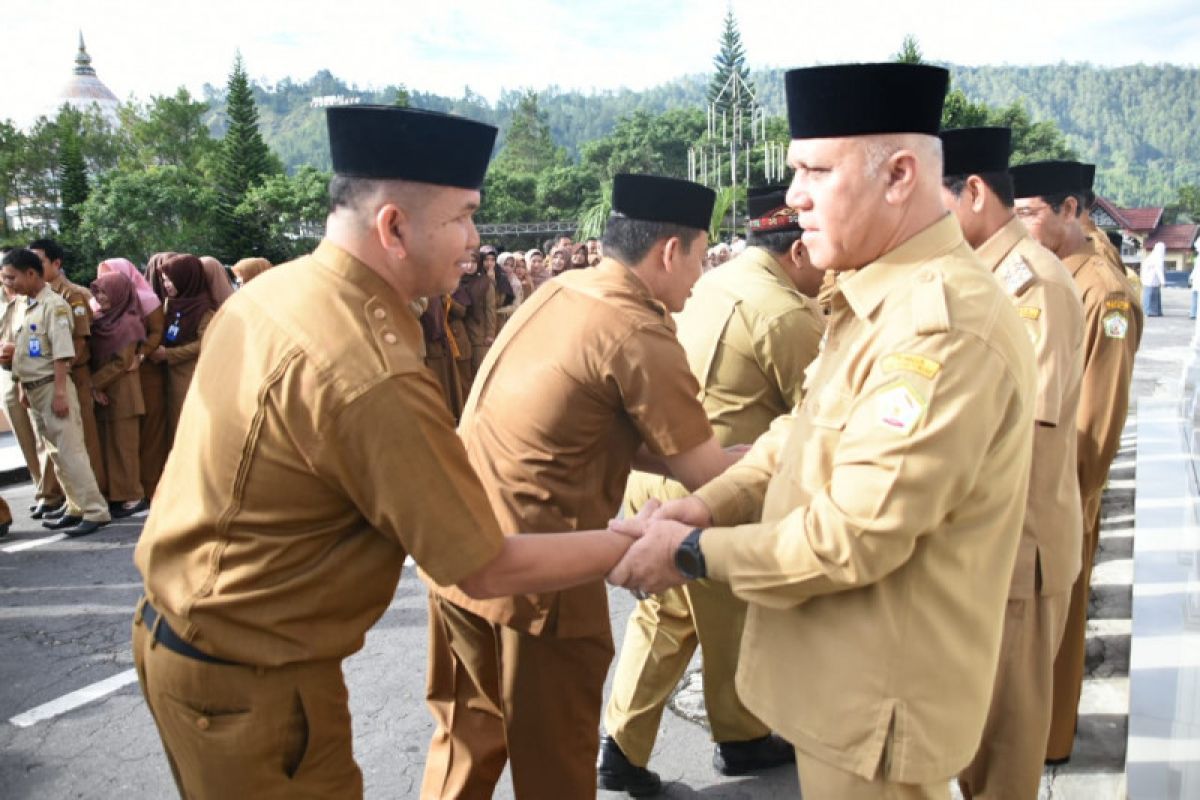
[(1042, 178), (656, 199), (1088, 172), (393, 143), (767, 210), (972, 151), (861, 99)]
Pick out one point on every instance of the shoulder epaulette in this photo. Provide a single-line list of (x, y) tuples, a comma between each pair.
[(930, 313), (1015, 274)]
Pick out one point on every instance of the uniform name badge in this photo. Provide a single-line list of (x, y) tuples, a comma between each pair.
[(172, 332), (35, 343), (1115, 325)]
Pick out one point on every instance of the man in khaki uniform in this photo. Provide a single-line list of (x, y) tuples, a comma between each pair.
[(1050, 201), (586, 372), (47, 492), (749, 330), (40, 355), (79, 299), (978, 190), (877, 526), (311, 461), (1104, 245)]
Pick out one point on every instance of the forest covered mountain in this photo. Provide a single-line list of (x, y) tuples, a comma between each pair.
[(1140, 124)]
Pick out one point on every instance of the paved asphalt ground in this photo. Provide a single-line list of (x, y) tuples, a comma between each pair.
[(72, 725)]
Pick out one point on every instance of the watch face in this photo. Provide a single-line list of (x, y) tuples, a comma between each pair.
[(687, 561)]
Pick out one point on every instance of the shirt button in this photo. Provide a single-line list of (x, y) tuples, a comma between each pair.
[(390, 338), (380, 313), (202, 723)]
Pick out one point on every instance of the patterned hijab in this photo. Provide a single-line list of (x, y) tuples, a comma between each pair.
[(191, 301), (121, 325), (147, 299)]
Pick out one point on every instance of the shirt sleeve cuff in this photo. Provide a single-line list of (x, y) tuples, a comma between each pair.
[(728, 503), (717, 546)]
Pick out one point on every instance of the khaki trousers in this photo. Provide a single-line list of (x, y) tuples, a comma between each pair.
[(1072, 653), (499, 695), (119, 438), (152, 429), (63, 440), (1008, 764), (82, 378), (253, 732), (821, 781), (41, 471), (660, 638)]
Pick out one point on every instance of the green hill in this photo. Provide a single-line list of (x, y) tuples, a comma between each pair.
[(1140, 124)]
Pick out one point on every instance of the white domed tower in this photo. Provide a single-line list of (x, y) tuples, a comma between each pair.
[(85, 90)]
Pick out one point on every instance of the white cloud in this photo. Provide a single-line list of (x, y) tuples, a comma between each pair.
[(141, 47)]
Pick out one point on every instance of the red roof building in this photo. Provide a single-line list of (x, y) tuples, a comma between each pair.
[(1142, 228)]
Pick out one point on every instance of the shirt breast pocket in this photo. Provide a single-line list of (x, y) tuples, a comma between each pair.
[(830, 408)]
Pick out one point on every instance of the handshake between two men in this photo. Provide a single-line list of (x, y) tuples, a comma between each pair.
[(655, 562)]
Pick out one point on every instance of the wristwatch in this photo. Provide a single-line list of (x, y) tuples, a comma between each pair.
[(689, 559)]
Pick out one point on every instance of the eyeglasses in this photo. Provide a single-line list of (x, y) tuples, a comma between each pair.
[(1027, 212)]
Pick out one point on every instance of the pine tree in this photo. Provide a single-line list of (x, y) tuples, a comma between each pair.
[(910, 51), (528, 148), (243, 161), (730, 60), (73, 189)]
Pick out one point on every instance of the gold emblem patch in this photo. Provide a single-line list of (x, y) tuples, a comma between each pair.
[(1029, 312), (911, 362), (900, 407), (1122, 305)]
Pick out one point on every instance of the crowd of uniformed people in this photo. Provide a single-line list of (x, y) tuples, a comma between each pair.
[(860, 464)]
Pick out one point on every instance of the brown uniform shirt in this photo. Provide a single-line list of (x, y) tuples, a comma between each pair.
[(310, 460), (79, 299), (480, 321), (48, 317), (749, 334), (586, 371), (891, 505), (1049, 305), (124, 388), (1112, 329)]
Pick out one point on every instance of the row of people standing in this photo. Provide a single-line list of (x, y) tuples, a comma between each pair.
[(134, 340)]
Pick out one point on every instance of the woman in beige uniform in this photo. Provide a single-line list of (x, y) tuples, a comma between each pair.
[(117, 334), (188, 310), (152, 424)]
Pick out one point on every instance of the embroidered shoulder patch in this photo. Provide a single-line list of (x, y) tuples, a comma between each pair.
[(900, 407), (1015, 274), (911, 362), (1115, 325), (1029, 312), (80, 311), (1122, 305)]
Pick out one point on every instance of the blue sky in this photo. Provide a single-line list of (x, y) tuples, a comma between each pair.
[(141, 48)]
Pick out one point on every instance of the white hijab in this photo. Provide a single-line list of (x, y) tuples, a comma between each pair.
[(1154, 267)]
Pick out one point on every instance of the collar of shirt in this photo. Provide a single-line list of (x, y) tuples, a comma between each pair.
[(1000, 244), (760, 257), (613, 271), (348, 268), (1076, 260), (40, 297), (866, 288)]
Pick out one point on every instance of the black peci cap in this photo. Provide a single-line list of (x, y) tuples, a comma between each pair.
[(767, 210), (1088, 173), (656, 199), (971, 151), (862, 99), (1043, 178), (393, 143)]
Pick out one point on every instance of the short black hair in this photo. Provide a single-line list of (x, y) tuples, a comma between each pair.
[(1116, 238), (1000, 183), (777, 242), (22, 259), (348, 192), (52, 249), (629, 240)]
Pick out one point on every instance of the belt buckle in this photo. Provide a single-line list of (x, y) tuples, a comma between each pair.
[(138, 613)]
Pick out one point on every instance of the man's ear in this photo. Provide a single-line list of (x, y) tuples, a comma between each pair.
[(392, 229), (671, 249), (902, 168), (978, 193), (796, 253)]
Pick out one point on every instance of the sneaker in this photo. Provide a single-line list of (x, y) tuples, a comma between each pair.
[(616, 773), (739, 758)]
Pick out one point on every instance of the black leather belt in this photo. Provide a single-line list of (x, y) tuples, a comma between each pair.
[(37, 382), (163, 634)]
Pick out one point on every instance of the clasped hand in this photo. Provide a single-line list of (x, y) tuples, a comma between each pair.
[(648, 566)]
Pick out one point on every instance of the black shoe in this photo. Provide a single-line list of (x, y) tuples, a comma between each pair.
[(84, 528), (62, 522), (1057, 762), (40, 510), (738, 758), (615, 773), (119, 511)]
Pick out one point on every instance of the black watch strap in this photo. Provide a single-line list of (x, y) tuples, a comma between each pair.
[(689, 558)]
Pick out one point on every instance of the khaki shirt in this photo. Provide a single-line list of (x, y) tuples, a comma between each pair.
[(749, 334), (891, 504), (1049, 305), (585, 372), (48, 317), (1112, 330), (309, 460), (79, 300)]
